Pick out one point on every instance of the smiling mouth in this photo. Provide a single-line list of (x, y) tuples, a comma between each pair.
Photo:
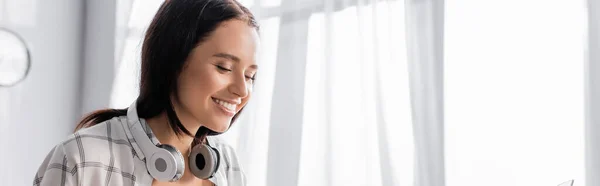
[(230, 107)]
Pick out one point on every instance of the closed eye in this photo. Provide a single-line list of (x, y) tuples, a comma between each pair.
[(251, 77), (223, 68)]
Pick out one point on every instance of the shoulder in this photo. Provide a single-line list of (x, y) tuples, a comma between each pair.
[(99, 141), (88, 154)]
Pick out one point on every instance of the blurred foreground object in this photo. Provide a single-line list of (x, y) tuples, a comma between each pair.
[(14, 58)]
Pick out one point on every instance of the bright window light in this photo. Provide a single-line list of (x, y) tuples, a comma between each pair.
[(514, 92)]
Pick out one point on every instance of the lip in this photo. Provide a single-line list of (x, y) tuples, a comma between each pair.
[(224, 110)]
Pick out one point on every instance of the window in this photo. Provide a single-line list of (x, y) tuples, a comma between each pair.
[(514, 92)]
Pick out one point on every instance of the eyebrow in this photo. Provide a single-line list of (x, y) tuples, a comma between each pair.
[(232, 58)]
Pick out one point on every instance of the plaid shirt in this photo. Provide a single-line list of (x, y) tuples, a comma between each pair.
[(106, 154)]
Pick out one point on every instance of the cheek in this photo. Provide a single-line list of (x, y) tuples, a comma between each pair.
[(189, 97), (194, 92)]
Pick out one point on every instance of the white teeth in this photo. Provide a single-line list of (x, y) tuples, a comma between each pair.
[(229, 106)]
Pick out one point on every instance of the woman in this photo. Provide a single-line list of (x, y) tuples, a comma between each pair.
[(198, 69)]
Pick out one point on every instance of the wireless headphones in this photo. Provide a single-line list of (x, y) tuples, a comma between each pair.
[(164, 162)]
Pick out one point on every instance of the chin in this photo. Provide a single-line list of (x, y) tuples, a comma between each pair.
[(219, 127)]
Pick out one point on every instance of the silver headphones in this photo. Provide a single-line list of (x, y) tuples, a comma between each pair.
[(164, 162)]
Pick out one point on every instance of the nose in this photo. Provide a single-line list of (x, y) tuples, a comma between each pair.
[(239, 86)]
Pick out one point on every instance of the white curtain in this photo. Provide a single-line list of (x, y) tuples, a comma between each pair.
[(425, 26), (332, 105), (592, 95)]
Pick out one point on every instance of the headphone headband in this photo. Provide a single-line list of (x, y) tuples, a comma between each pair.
[(138, 132)]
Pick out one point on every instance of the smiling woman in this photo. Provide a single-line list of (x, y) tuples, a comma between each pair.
[(198, 69)]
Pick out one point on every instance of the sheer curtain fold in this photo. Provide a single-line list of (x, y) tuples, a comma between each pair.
[(425, 28), (98, 55), (287, 107), (592, 92), (123, 9)]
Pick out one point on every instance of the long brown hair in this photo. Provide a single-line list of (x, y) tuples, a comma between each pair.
[(176, 29)]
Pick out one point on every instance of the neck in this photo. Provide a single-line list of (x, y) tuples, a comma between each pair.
[(162, 130)]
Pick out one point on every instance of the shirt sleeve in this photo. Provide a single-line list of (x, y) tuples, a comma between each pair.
[(56, 170)]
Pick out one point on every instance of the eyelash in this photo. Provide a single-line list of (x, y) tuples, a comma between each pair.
[(223, 68), (229, 70)]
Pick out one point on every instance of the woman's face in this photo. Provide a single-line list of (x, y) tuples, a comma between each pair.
[(217, 78)]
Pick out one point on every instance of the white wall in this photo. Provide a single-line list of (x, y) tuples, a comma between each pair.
[(43, 109)]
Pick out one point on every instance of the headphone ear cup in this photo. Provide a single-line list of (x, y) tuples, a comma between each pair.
[(217, 159), (203, 161), (165, 164)]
